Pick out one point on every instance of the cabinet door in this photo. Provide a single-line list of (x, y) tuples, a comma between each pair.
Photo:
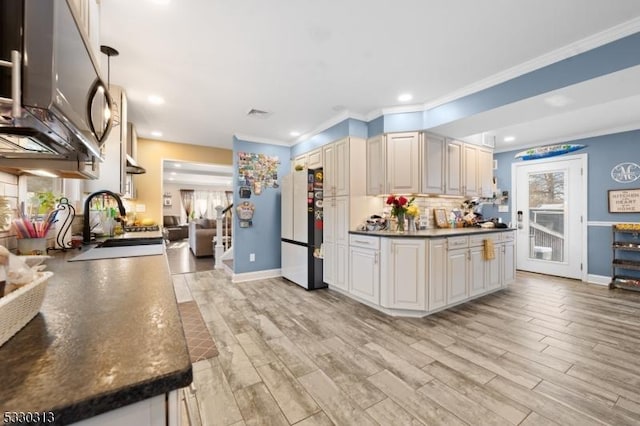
[(456, 275), (433, 153), (376, 176), (314, 159), (329, 263), (508, 263), (485, 172), (453, 181), (405, 285), (340, 217), (300, 214), (300, 160), (470, 186), (329, 170), (341, 171), (342, 267), (436, 269), (403, 163), (492, 270), (476, 271), (365, 274)]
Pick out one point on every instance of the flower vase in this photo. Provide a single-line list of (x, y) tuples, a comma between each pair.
[(411, 224), (400, 228)]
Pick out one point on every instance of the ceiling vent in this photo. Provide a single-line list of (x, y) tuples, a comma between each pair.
[(258, 113)]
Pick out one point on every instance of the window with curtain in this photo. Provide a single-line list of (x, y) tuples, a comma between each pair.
[(205, 203)]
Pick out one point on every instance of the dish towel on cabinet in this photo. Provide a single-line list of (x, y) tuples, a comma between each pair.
[(489, 252)]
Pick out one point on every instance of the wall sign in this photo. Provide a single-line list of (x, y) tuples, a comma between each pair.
[(625, 172), (624, 201)]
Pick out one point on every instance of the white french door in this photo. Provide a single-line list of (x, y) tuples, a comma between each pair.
[(550, 215)]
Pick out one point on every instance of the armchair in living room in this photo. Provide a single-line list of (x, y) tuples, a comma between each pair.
[(172, 230)]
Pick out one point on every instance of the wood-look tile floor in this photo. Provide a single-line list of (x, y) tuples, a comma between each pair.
[(544, 351)]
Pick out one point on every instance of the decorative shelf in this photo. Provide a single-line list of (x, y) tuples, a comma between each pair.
[(625, 240)]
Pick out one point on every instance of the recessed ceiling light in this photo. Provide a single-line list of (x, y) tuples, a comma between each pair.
[(558, 101), (170, 178), (509, 138), (160, 1), (405, 97), (294, 134), (173, 173), (178, 165), (155, 99), (156, 133)]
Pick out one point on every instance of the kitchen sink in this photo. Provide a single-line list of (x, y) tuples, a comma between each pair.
[(127, 242)]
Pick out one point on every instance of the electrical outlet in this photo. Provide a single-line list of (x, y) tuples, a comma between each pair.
[(252, 257)]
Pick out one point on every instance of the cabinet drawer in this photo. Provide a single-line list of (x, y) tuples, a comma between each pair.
[(478, 240), (364, 241), (457, 242), (508, 236)]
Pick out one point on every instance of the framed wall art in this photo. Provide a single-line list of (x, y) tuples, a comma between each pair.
[(624, 200)]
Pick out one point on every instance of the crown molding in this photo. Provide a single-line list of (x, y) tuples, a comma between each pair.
[(589, 43), (338, 118), (574, 137), (259, 139)]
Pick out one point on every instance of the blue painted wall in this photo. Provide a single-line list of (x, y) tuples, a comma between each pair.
[(263, 238), (604, 152)]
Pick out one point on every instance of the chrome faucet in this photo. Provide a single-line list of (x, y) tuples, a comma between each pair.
[(86, 226)]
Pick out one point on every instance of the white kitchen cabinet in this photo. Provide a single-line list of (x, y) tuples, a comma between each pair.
[(476, 265), (376, 164), (403, 273), (436, 271), (336, 241), (114, 151), (493, 269), (508, 266), (470, 186), (457, 275), (485, 173), (403, 163), (161, 410), (453, 182), (341, 280), (336, 168), (309, 160), (365, 274), (329, 265), (433, 164), (286, 207)]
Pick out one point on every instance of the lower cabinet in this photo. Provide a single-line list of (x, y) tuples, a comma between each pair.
[(365, 274), (403, 272), (161, 410), (457, 275), (476, 274), (436, 268), (335, 267), (508, 266)]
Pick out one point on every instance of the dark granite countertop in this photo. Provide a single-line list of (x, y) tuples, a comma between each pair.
[(108, 334), (432, 233)]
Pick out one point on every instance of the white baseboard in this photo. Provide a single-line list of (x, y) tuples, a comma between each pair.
[(598, 279), (256, 275)]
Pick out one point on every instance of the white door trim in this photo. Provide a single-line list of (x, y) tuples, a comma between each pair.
[(585, 202)]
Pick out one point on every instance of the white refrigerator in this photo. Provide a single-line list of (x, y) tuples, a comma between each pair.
[(301, 225)]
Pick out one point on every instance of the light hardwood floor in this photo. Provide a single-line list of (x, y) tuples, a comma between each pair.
[(544, 351)]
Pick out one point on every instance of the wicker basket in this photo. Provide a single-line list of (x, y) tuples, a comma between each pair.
[(20, 306)]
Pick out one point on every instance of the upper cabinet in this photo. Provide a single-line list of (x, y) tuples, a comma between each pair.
[(376, 174), (336, 168), (470, 186), (309, 160), (485, 172), (87, 14), (433, 164), (403, 163), (453, 158)]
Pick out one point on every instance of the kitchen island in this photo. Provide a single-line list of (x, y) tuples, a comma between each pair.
[(108, 335), (420, 273)]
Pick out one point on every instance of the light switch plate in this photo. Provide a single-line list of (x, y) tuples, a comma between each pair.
[(503, 209)]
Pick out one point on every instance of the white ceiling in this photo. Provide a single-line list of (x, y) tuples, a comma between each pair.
[(308, 62)]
